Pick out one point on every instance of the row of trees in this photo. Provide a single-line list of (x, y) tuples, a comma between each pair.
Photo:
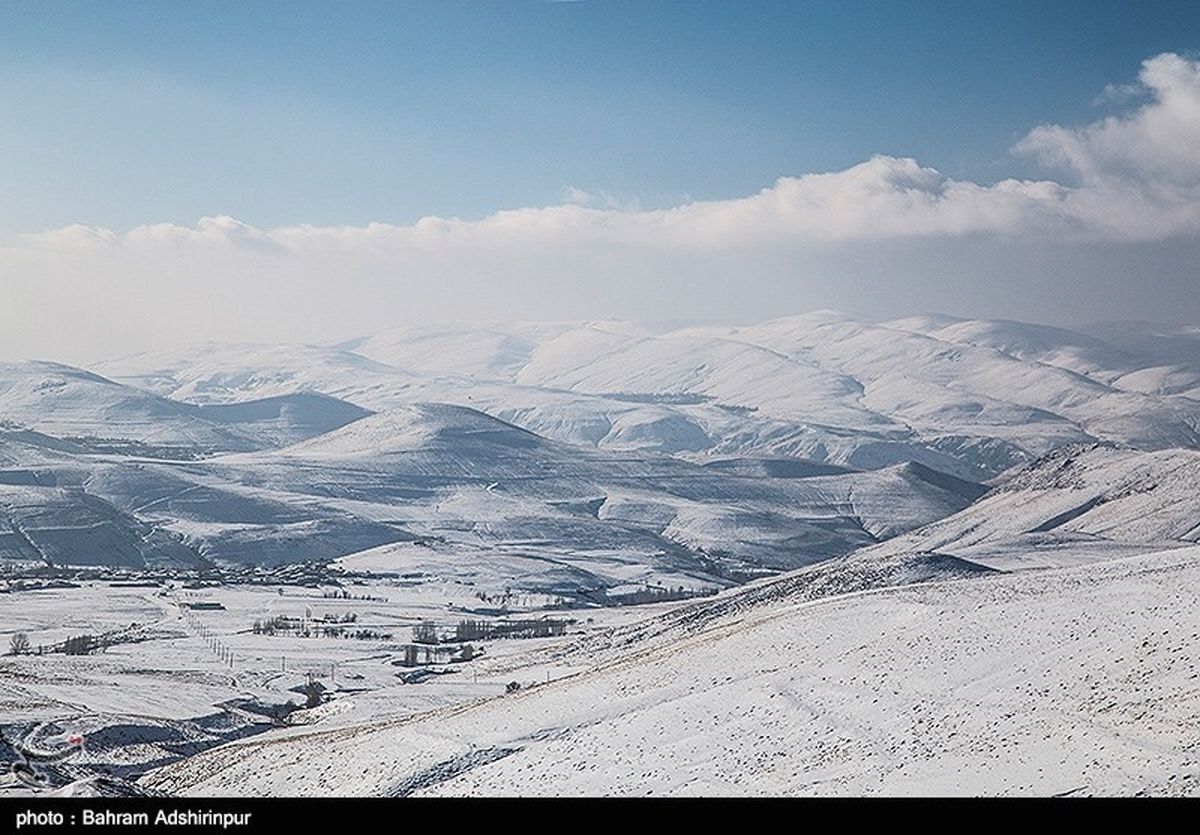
[(656, 594), (418, 655), (342, 594), (426, 632), (19, 644), (281, 624)]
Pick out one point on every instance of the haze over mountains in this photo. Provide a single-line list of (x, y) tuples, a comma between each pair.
[(578, 455), (969, 397)]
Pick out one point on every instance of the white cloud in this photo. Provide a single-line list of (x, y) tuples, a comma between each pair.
[(73, 237), (1118, 93), (1137, 177), (1156, 146), (577, 196), (1132, 178)]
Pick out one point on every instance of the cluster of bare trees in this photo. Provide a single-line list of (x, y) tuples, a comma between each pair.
[(415, 656), (426, 632), (19, 644), (80, 645), (329, 626), (656, 594), (270, 626), (342, 594)]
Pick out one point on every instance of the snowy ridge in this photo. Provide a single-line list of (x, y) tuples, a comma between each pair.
[(968, 397), (1076, 505), (710, 453), (576, 520), (100, 415)]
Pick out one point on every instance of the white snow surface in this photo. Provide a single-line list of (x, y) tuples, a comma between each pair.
[(1063, 681), (969, 397), (1078, 504)]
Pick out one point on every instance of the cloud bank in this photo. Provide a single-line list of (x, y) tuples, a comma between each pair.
[(1137, 178), (1131, 179)]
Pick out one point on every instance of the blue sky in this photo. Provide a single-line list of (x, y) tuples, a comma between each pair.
[(283, 113)]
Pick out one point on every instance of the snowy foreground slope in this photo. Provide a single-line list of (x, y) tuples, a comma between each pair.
[(1076, 680), (903, 668)]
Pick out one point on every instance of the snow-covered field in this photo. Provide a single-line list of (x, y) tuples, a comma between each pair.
[(1049, 682), (179, 680)]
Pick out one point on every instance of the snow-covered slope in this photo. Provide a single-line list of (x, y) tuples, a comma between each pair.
[(55, 526), (224, 373), (73, 404), (47, 516), (466, 485), (1069, 681), (695, 449), (971, 398), (482, 350), (1078, 504), (1059, 347), (450, 473), (100, 415), (1169, 356), (1138, 357)]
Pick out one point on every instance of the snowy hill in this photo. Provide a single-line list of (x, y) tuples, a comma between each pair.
[(103, 416), (1068, 681), (224, 373), (452, 474), (284, 419), (1077, 505), (1062, 348), (54, 526), (467, 485), (970, 398), (610, 451), (76, 405)]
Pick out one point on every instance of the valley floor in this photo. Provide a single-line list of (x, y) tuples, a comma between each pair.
[(1081, 680)]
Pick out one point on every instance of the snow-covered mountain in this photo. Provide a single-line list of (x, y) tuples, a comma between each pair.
[(699, 453), (864, 496), (100, 415), (467, 486), (1076, 505), (970, 398)]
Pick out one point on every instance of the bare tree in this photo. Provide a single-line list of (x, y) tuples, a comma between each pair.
[(19, 644), (425, 632)]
